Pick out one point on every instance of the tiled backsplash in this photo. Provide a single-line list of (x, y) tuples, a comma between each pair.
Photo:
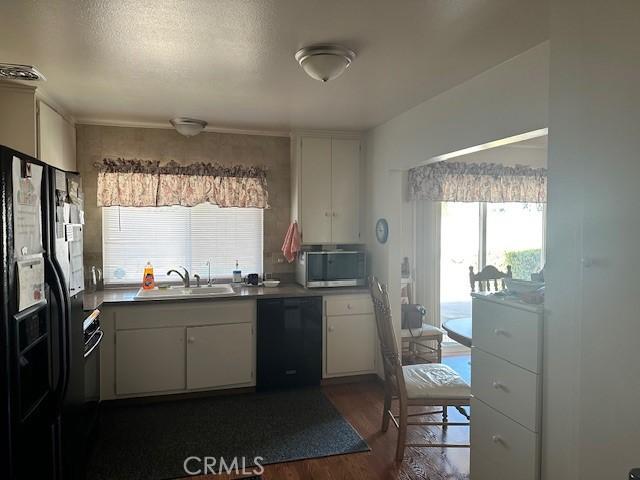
[(97, 142)]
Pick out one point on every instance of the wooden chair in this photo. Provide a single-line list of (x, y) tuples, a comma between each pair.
[(418, 343), (422, 385), (488, 275)]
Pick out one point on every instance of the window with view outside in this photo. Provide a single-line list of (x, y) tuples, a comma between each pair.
[(173, 236), (513, 234), (459, 248)]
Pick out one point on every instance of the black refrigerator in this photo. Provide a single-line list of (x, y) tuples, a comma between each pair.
[(49, 386)]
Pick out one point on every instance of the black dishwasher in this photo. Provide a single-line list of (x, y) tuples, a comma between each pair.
[(289, 350)]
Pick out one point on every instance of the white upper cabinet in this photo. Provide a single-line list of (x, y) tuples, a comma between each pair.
[(31, 126), (326, 188), (345, 181), (315, 190), (18, 119), (56, 139)]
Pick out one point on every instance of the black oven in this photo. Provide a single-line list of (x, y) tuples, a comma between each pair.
[(93, 335)]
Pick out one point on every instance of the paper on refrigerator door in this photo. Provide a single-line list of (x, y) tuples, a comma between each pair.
[(30, 282), (27, 209)]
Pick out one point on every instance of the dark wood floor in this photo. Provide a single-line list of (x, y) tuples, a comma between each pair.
[(361, 405)]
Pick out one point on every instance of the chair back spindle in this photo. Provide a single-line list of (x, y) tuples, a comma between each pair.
[(486, 277), (391, 362)]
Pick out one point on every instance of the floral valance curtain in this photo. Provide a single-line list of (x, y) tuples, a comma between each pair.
[(142, 183), (477, 182)]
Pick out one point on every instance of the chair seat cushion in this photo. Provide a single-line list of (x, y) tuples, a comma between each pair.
[(434, 381), (427, 330)]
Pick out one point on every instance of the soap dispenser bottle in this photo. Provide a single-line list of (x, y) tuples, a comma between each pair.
[(237, 274), (147, 279)]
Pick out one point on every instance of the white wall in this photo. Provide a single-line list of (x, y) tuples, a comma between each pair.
[(508, 155), (592, 364), (506, 100)]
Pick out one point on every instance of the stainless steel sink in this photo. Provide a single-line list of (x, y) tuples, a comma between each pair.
[(174, 293)]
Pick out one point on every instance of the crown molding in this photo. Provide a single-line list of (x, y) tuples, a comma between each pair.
[(167, 126), (303, 132)]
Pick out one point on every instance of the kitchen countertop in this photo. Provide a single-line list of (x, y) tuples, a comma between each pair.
[(127, 295)]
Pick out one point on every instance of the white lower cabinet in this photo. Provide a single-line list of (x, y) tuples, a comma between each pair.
[(150, 360), (350, 336), (219, 355), (164, 348)]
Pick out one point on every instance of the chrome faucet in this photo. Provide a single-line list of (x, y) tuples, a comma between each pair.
[(209, 282), (185, 278)]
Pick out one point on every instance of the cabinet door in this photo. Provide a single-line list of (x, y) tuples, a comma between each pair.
[(150, 360), (315, 190), (351, 341), (56, 139), (345, 188), (219, 355)]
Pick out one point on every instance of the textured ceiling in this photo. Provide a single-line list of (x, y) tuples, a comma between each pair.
[(230, 62)]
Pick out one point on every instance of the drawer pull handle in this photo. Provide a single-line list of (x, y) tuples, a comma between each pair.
[(499, 386), (497, 439), (348, 306), (499, 331), (332, 328)]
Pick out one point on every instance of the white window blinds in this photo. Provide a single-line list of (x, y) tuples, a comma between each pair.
[(173, 236)]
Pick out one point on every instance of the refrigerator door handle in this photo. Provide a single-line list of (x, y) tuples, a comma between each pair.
[(62, 302)]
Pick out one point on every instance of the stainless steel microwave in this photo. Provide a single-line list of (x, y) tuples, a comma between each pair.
[(331, 268)]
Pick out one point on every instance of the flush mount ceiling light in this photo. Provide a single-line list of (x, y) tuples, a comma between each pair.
[(325, 62), (188, 126), (20, 72)]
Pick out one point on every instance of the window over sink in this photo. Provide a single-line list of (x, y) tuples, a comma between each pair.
[(176, 235)]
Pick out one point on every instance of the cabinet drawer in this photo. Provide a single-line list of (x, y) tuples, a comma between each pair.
[(186, 314), (348, 305), (508, 332), (507, 388), (501, 448)]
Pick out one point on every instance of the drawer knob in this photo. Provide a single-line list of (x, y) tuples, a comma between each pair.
[(191, 339), (499, 331), (348, 306), (497, 439), (331, 328), (498, 386)]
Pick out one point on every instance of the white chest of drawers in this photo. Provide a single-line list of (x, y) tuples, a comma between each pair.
[(506, 384)]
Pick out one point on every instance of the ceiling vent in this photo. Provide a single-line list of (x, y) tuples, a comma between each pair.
[(20, 72)]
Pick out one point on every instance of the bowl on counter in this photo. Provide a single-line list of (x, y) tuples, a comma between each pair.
[(271, 283)]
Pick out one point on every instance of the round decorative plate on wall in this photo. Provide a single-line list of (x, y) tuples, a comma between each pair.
[(382, 230)]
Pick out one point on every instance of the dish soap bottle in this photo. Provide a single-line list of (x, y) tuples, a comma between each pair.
[(147, 279), (237, 274)]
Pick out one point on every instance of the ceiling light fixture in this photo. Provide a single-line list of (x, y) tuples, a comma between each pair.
[(188, 126), (325, 62), (13, 71)]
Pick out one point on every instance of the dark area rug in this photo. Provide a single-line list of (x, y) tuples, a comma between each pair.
[(152, 441)]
